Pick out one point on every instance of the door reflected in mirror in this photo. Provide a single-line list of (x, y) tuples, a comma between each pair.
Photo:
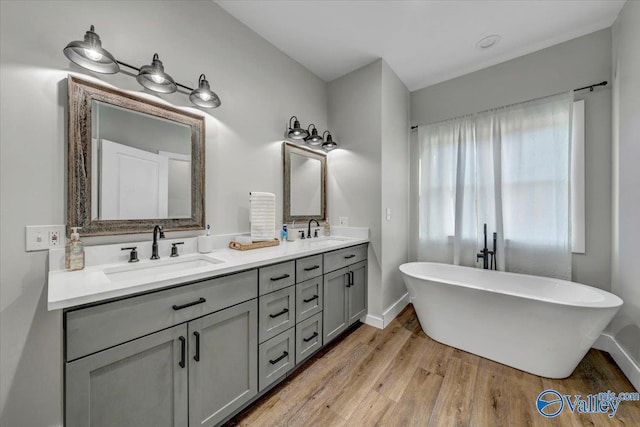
[(141, 165)]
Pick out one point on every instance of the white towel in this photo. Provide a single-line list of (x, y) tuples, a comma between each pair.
[(262, 216)]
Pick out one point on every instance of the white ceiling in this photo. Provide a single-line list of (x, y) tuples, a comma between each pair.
[(424, 42)]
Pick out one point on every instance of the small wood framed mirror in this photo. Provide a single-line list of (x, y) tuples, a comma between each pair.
[(305, 183)]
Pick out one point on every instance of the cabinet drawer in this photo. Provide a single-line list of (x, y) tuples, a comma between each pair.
[(308, 268), (276, 277), (308, 337), (308, 298), (343, 257), (277, 312), (95, 328), (276, 358)]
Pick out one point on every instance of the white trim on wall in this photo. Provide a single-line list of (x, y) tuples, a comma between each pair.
[(388, 315), (628, 366)]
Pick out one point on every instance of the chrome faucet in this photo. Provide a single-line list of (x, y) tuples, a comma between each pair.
[(309, 227), (157, 233)]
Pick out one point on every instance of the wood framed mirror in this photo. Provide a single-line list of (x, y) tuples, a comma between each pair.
[(132, 163), (305, 183)]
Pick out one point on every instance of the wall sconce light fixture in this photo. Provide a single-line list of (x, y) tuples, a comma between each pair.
[(91, 55), (203, 95), (329, 143), (296, 132), (154, 78), (313, 139)]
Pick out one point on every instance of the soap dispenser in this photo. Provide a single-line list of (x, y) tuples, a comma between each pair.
[(74, 252)]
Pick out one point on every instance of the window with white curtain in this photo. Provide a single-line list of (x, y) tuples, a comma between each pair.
[(509, 168)]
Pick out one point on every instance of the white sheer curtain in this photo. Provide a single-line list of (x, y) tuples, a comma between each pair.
[(509, 168)]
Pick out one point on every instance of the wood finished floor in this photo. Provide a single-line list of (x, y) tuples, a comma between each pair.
[(400, 377)]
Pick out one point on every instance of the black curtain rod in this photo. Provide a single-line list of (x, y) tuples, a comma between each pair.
[(604, 83), (590, 87)]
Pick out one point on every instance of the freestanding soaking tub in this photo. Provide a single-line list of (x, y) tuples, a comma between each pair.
[(536, 324)]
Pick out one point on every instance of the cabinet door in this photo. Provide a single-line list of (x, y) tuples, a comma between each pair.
[(335, 313), (139, 383), (357, 292), (223, 363)]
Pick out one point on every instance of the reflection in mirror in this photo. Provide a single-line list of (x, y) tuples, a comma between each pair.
[(133, 163), (305, 186), (142, 165), (304, 172)]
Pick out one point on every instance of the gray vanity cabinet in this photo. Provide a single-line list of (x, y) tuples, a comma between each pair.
[(335, 314), (185, 356), (345, 290), (139, 383), (223, 362), (357, 292)]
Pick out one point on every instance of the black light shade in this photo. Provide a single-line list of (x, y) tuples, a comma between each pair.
[(296, 132), (90, 54), (203, 96), (154, 78), (313, 139), (329, 143)]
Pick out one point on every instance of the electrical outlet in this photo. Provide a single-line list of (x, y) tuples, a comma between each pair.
[(54, 238), (344, 221), (43, 237), (388, 214)]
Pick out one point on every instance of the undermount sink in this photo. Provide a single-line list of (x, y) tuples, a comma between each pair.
[(160, 267)]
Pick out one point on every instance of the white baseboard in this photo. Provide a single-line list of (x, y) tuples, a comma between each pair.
[(374, 321), (394, 310), (628, 366), (389, 314)]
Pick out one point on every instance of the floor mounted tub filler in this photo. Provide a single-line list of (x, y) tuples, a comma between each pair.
[(536, 324)]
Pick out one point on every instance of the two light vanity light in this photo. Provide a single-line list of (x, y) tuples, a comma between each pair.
[(310, 136), (90, 54)]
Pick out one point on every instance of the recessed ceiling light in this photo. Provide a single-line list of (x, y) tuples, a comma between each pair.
[(488, 42)]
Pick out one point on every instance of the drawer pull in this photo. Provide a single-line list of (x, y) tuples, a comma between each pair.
[(315, 334), (277, 359), (183, 351), (311, 299), (349, 256), (275, 279), (189, 304), (314, 267), (284, 311), (197, 355)]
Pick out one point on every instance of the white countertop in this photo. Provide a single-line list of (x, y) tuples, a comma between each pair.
[(73, 288)]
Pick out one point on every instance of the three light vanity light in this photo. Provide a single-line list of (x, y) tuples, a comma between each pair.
[(90, 54), (310, 136)]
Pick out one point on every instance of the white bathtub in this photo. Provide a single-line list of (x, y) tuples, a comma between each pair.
[(539, 325)]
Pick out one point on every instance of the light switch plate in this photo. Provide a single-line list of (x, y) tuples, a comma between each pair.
[(43, 237), (344, 221)]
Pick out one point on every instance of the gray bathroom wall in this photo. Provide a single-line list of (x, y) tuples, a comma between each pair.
[(260, 88), (625, 327), (395, 187), (355, 176), (369, 115), (563, 67)]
